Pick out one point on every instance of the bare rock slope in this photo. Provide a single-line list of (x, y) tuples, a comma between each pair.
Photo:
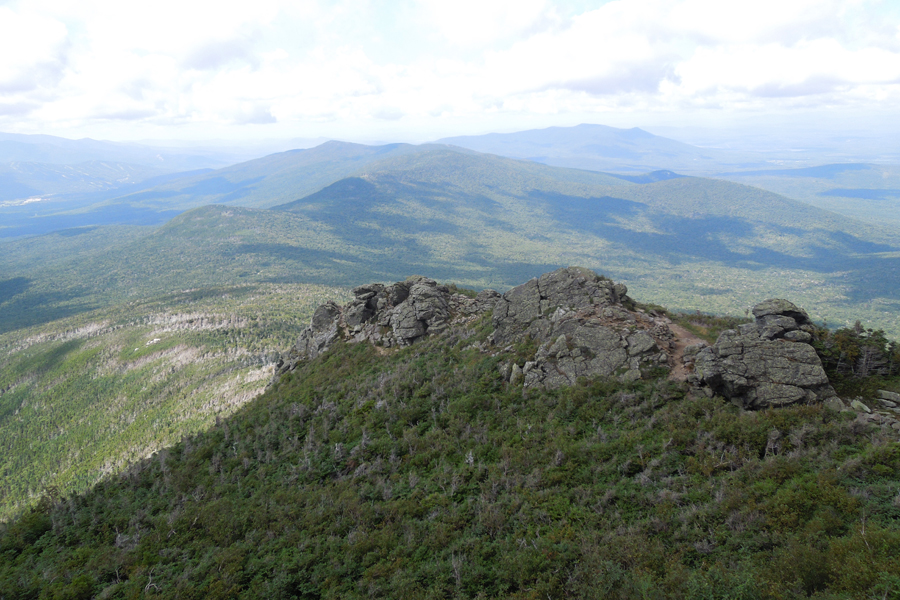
[(583, 327)]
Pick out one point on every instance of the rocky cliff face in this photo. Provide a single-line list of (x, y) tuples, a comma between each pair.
[(767, 363), (390, 316)]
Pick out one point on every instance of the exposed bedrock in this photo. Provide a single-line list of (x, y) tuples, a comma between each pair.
[(577, 319), (582, 327), (390, 316), (766, 363), (581, 324)]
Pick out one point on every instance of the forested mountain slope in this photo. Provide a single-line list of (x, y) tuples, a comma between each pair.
[(266, 181), (422, 472), (86, 395), (690, 243)]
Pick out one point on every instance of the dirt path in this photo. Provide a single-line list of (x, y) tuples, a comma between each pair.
[(683, 339)]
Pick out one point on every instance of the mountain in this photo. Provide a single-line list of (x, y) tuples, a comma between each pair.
[(151, 200), (50, 183), (870, 192), (48, 149), (21, 181), (485, 221), (690, 243), (267, 181), (96, 390), (604, 148), (428, 471), (37, 198)]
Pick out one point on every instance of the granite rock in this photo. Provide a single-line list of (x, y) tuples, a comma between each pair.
[(768, 363)]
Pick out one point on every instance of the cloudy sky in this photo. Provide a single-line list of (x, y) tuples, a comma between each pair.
[(421, 69)]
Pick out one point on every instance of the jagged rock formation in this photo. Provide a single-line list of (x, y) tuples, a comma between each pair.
[(578, 319), (766, 363), (583, 327), (389, 316)]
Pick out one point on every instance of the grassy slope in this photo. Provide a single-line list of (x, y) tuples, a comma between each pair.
[(83, 396), (420, 474)]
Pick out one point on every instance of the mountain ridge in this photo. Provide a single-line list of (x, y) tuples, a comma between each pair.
[(422, 472), (605, 148)]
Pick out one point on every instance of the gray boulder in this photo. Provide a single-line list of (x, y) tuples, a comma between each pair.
[(767, 363), (582, 326)]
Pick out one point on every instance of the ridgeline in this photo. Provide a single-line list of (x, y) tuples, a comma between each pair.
[(425, 442)]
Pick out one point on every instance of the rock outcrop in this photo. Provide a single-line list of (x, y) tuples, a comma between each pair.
[(766, 363), (389, 316), (582, 327), (578, 320)]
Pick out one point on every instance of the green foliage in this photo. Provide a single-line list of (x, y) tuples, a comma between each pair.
[(858, 361), (483, 221), (419, 473), (859, 191), (706, 326), (82, 397)]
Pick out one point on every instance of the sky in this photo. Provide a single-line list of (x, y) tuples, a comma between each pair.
[(414, 70)]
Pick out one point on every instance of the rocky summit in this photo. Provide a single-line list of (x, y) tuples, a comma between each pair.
[(389, 316), (767, 363), (579, 319), (583, 325)]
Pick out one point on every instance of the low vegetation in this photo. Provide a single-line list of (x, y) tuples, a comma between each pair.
[(420, 473), (84, 396)]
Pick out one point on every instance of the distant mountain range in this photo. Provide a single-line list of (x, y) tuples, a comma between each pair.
[(138, 306), (603, 148), (129, 191), (481, 220), (870, 192), (50, 149)]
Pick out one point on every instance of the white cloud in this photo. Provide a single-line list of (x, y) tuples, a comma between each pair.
[(32, 51), (483, 22), (227, 63)]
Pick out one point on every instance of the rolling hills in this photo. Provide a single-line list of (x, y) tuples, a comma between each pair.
[(486, 221), (266, 181), (869, 192), (53, 150)]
